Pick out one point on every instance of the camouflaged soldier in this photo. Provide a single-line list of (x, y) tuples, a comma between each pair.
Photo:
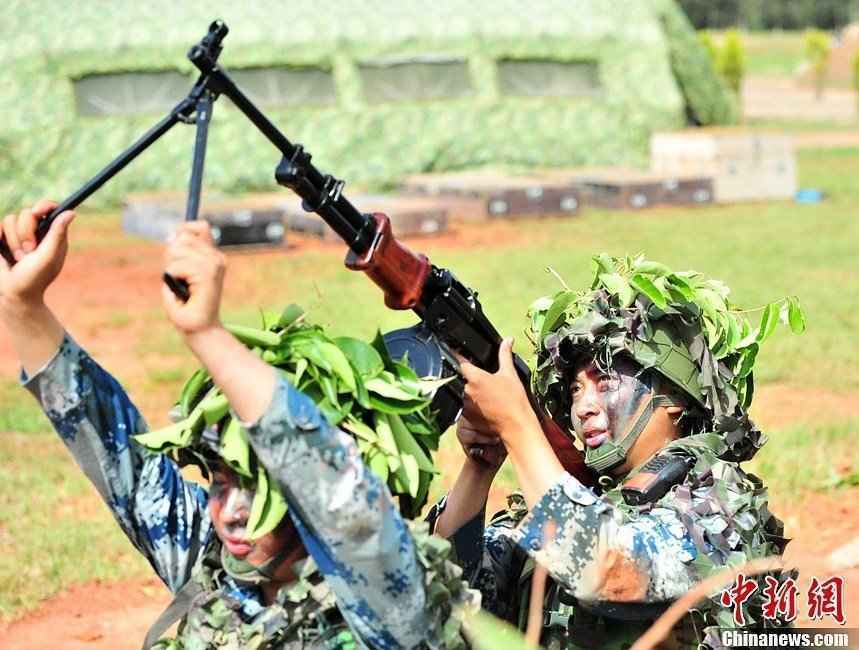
[(341, 570), (651, 371)]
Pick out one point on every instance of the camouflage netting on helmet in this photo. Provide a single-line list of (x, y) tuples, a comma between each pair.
[(556, 83), (356, 386), (680, 324)]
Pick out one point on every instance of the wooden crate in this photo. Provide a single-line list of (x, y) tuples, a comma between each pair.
[(496, 195), (745, 165), (410, 216), (623, 188), (254, 220)]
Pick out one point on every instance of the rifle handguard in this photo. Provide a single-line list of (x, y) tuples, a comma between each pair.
[(399, 272)]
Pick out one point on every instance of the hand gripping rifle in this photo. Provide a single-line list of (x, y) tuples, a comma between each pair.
[(452, 318)]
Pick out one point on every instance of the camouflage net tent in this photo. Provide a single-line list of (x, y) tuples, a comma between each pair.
[(375, 89)]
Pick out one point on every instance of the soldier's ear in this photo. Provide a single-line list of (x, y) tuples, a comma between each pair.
[(675, 411)]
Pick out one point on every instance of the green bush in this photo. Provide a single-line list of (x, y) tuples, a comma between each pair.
[(709, 46), (732, 61), (816, 45)]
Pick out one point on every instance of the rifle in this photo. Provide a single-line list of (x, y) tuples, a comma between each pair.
[(451, 316)]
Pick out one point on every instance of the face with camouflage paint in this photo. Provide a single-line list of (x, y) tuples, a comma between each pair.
[(606, 402), (230, 500)]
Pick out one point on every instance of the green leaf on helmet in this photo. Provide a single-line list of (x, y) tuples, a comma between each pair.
[(363, 357), (644, 285), (378, 464), (769, 319), (795, 317), (339, 364), (170, 437), (619, 286), (390, 390), (747, 360), (268, 507), (647, 267), (556, 311), (235, 449), (214, 408), (291, 315), (407, 444)]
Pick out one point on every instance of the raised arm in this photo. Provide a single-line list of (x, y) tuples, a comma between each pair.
[(164, 517), (344, 513)]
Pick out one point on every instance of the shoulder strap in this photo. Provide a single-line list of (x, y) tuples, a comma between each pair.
[(175, 611)]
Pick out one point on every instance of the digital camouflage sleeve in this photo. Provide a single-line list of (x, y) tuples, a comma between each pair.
[(345, 515)]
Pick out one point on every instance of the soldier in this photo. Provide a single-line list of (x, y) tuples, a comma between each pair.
[(366, 580), (651, 371)]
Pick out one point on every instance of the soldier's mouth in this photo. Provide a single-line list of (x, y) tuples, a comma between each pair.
[(595, 438), (237, 546)]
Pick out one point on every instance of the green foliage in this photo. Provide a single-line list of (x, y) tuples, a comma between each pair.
[(729, 333), (706, 99), (357, 386), (731, 63), (768, 14), (817, 49), (710, 46)]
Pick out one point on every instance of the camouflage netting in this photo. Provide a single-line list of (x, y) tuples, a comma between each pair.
[(625, 77), (680, 324)]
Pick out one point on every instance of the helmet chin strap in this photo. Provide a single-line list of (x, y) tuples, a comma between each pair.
[(249, 575), (612, 453)]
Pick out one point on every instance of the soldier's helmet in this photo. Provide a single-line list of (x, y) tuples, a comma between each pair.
[(355, 385), (678, 326)]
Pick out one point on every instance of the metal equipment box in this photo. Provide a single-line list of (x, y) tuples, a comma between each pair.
[(744, 165), (496, 195), (410, 216), (623, 188), (254, 220)]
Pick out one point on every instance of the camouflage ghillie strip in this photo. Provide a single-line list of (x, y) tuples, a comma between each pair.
[(649, 78)]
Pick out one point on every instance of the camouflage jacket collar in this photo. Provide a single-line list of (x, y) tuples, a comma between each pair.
[(226, 616)]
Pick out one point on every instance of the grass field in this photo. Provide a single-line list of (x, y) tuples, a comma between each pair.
[(53, 530)]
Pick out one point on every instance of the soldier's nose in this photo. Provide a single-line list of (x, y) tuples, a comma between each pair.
[(237, 506)]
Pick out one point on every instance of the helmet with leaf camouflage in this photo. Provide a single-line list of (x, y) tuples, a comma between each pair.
[(356, 385), (679, 325)]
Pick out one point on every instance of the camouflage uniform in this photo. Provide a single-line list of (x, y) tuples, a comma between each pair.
[(605, 551), (615, 567), (361, 550)]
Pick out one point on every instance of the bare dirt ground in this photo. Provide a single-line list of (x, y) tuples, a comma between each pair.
[(780, 97)]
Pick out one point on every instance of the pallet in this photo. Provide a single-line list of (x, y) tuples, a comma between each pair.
[(496, 195), (410, 216), (255, 220)]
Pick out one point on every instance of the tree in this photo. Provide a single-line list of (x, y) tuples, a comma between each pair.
[(732, 61), (817, 53)]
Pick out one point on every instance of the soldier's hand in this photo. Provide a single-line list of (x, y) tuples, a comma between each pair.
[(191, 256), (499, 398), (37, 264), (478, 441)]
